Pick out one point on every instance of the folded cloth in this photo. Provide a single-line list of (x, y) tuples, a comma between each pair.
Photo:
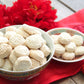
[(75, 21), (58, 70)]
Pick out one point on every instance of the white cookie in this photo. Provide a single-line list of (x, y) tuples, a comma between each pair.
[(64, 38), (1, 62), (45, 49), (10, 28), (16, 40), (8, 34), (59, 49), (5, 50), (22, 33), (37, 55), (12, 57), (43, 61), (55, 38), (70, 47), (22, 64), (7, 65), (33, 42), (3, 40), (77, 39), (57, 55), (42, 39), (21, 51), (68, 56), (1, 34), (30, 29), (35, 63), (79, 50)]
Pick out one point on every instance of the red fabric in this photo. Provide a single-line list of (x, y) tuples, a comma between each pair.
[(58, 70), (75, 21)]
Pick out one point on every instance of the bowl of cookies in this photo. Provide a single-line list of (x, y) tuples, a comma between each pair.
[(69, 44), (24, 51)]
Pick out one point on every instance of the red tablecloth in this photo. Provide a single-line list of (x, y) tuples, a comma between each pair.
[(58, 70)]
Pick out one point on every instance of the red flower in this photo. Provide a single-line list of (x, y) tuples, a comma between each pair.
[(37, 13), (4, 21)]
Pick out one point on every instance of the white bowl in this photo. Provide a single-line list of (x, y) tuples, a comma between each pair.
[(26, 75), (72, 32)]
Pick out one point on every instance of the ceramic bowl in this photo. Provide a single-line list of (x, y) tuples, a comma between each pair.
[(26, 75), (71, 32)]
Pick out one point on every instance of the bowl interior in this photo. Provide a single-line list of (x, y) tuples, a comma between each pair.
[(72, 32), (49, 43)]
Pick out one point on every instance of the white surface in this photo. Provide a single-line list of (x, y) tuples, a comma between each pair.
[(62, 11), (74, 4), (8, 2)]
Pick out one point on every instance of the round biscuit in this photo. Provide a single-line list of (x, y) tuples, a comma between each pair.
[(35, 63), (30, 30), (68, 56), (3, 40), (1, 62), (22, 33), (22, 64), (1, 34), (21, 51), (37, 55), (12, 57), (33, 42), (10, 28), (5, 50), (16, 40), (8, 34), (45, 49), (7, 65)]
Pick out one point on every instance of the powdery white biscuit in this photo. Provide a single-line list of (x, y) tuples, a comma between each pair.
[(68, 56), (1, 34), (70, 47), (3, 40), (5, 50), (8, 34), (16, 40), (43, 61), (42, 39), (35, 63), (33, 42), (64, 38), (59, 49), (12, 57), (22, 64), (37, 55), (10, 28), (79, 50), (22, 33), (77, 39), (55, 39), (21, 51), (57, 55), (1, 62), (45, 49), (30, 29), (21, 28), (7, 65)]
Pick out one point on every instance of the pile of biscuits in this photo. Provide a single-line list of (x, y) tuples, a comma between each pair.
[(68, 47), (22, 48)]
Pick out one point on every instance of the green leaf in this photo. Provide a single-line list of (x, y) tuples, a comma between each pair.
[(53, 8)]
